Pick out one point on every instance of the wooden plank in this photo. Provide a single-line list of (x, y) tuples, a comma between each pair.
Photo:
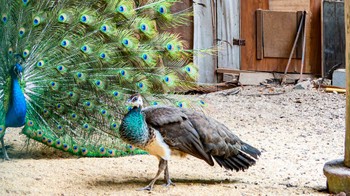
[(279, 31), (313, 42), (227, 30), (293, 5), (347, 53), (204, 36), (248, 32), (299, 49), (232, 71), (259, 35)]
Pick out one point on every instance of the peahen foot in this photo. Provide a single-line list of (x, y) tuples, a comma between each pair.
[(167, 179), (168, 183), (4, 152), (162, 165)]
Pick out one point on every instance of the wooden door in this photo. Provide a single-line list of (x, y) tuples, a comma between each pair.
[(228, 29)]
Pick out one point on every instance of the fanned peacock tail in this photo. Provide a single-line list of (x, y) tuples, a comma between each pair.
[(82, 59)]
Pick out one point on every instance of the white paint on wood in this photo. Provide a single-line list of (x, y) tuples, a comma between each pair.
[(204, 39), (228, 28), (254, 78)]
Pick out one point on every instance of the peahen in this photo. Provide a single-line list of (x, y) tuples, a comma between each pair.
[(67, 66), (162, 131)]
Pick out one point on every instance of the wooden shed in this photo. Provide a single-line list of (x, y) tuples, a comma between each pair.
[(254, 35)]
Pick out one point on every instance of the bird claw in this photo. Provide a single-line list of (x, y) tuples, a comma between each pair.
[(169, 183), (146, 188), (7, 159)]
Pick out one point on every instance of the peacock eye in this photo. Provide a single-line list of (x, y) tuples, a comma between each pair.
[(102, 55), (61, 18), (143, 27), (121, 9), (169, 47), (4, 18), (145, 56), (36, 21), (166, 79), (161, 10)]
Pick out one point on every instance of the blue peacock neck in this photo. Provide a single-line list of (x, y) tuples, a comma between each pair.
[(15, 116), (134, 128)]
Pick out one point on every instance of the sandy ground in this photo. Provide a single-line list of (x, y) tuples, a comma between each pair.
[(298, 131)]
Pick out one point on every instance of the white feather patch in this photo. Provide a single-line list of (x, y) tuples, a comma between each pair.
[(158, 147)]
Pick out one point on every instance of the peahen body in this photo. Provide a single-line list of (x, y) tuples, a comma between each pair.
[(66, 68), (163, 131)]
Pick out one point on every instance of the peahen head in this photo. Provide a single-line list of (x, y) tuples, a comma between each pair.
[(135, 101), (17, 71)]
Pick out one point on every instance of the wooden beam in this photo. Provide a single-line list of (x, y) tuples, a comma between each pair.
[(347, 60)]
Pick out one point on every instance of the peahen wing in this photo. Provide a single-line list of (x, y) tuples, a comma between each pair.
[(82, 58), (177, 131)]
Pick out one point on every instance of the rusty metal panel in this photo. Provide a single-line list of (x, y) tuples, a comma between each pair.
[(333, 36)]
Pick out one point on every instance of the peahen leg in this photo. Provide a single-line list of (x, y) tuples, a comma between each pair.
[(162, 165), (4, 153), (167, 179)]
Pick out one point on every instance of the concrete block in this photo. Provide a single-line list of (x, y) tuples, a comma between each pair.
[(339, 78), (338, 176)]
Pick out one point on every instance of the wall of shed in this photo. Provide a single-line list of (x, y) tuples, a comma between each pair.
[(313, 36)]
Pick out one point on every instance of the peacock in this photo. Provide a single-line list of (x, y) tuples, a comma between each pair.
[(67, 67), (163, 131)]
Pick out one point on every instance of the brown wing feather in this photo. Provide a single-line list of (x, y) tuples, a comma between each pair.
[(158, 115), (217, 139), (226, 148), (177, 131)]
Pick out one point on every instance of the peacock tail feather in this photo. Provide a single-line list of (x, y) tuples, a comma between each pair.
[(82, 59)]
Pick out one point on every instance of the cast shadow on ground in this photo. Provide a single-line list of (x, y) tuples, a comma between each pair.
[(138, 183)]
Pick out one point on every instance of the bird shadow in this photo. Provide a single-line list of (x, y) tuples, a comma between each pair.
[(34, 153), (160, 181)]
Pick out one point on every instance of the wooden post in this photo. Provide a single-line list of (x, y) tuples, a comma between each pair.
[(347, 60), (338, 171)]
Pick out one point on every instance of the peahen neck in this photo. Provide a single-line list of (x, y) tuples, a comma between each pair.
[(15, 116), (134, 128)]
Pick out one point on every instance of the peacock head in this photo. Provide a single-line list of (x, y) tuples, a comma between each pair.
[(17, 71), (135, 101)]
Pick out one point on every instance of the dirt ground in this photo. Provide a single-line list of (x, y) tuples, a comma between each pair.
[(298, 131)]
